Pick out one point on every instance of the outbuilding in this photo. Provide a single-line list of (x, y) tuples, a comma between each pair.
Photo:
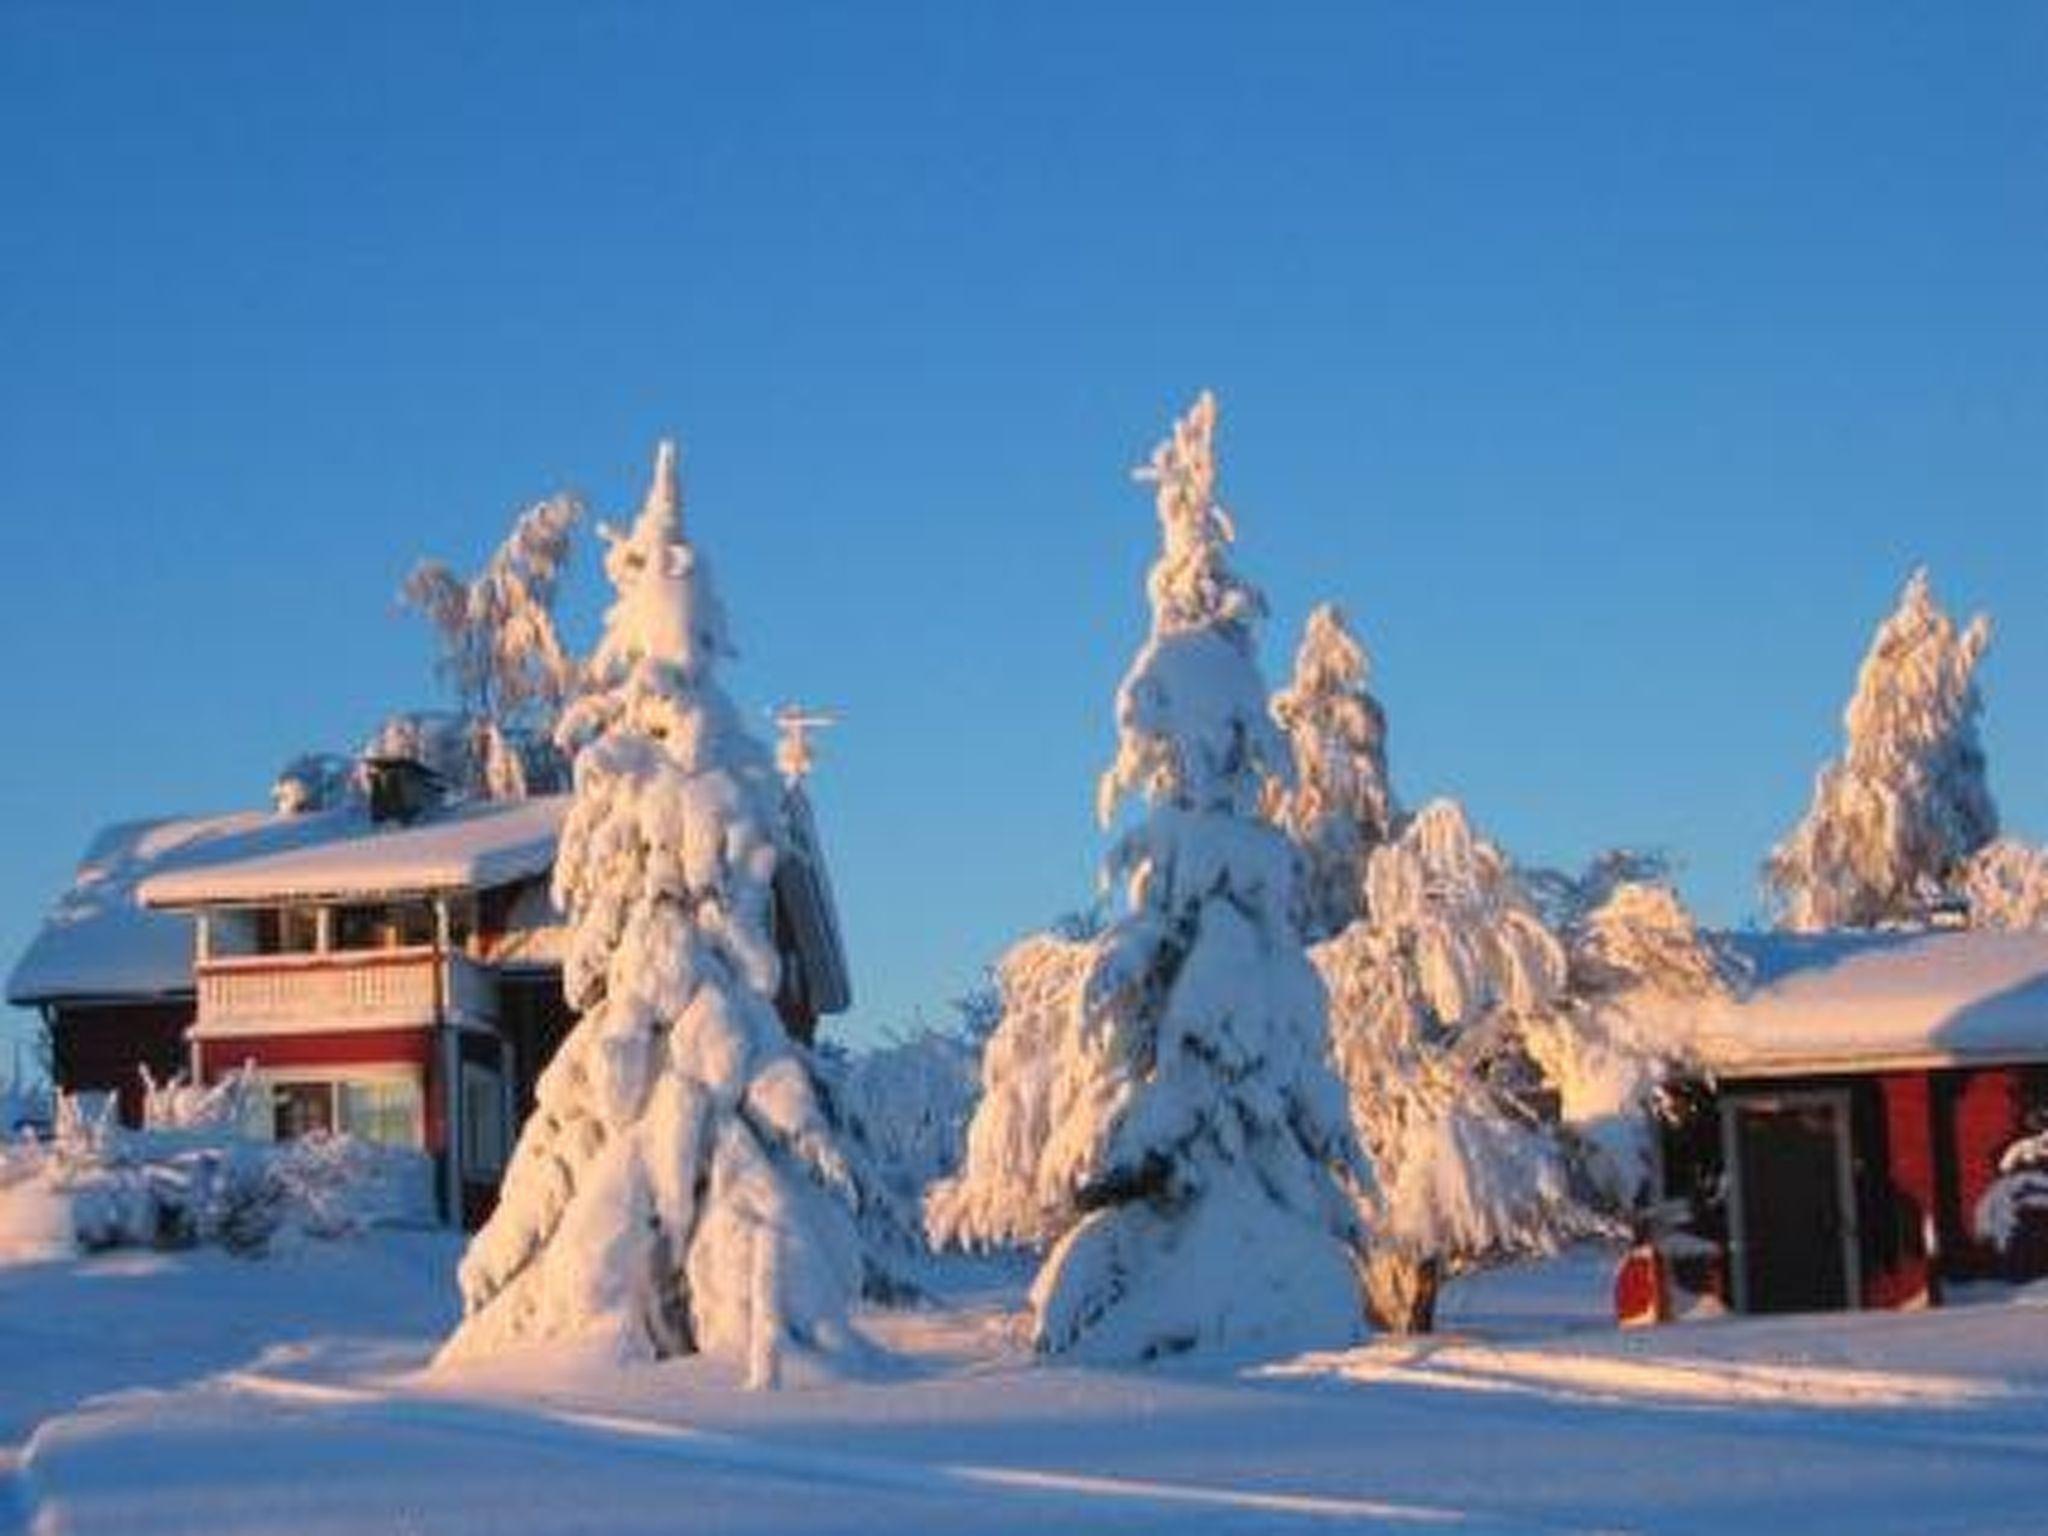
[(1856, 1093)]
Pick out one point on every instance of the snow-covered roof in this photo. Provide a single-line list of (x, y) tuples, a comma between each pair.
[(100, 941), (120, 932), (473, 848), (1863, 1001)]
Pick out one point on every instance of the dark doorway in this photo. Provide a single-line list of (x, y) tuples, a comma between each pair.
[(1789, 1158)]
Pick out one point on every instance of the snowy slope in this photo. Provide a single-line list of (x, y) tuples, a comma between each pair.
[(1531, 1414)]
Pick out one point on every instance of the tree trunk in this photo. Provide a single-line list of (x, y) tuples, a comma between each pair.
[(1401, 1290)]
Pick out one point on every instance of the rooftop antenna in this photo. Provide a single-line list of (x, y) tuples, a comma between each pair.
[(795, 750)]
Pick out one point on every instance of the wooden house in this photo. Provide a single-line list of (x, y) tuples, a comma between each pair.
[(391, 970)]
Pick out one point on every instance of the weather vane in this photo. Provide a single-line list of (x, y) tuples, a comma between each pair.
[(795, 750)]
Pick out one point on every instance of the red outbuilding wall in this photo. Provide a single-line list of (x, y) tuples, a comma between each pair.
[(1903, 1187), (1978, 1113)]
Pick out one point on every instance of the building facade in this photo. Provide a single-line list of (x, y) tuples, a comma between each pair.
[(383, 971)]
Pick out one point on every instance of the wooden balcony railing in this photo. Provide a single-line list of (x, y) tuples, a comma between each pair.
[(343, 989)]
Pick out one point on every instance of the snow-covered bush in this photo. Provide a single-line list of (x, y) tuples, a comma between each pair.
[(1894, 822), (2015, 1207), (678, 1188), (1193, 1135), (192, 1177), (1338, 807)]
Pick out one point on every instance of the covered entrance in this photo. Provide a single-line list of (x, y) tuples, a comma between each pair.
[(1791, 1201)]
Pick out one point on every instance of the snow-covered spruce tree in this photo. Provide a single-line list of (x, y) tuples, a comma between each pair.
[(678, 1188), (1338, 808), (1432, 995), (499, 646), (1895, 819), (1204, 1139)]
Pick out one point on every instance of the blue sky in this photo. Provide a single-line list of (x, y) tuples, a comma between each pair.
[(1610, 364)]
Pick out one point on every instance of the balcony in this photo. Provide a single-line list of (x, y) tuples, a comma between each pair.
[(340, 990)]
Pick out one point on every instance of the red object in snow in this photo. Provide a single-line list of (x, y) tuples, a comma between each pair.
[(1642, 1289)]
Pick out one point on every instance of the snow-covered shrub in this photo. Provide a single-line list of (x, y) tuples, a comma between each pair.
[(2014, 1209), (1895, 820), (192, 1178), (1193, 1135), (1338, 806), (679, 1187), (181, 1105)]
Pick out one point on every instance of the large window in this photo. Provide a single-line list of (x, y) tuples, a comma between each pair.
[(383, 1110), (386, 1109)]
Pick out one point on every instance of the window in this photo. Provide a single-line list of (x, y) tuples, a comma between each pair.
[(386, 1110), (287, 930), (483, 1121), (301, 1109), (394, 925)]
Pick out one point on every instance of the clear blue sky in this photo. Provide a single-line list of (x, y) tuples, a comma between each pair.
[(1610, 364)]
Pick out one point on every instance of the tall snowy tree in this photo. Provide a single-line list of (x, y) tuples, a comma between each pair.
[(1200, 1137), (1432, 992), (1338, 807), (1894, 821), (678, 1188), (499, 646)]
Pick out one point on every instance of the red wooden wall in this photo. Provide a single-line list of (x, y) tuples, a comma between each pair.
[(98, 1046)]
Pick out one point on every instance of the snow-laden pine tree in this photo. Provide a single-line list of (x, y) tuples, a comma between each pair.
[(499, 646), (1198, 1136), (678, 1188), (1338, 808), (1895, 819), (1432, 993)]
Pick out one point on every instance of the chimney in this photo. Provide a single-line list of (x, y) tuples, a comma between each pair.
[(402, 790)]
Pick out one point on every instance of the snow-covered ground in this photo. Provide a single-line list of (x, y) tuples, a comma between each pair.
[(201, 1393)]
